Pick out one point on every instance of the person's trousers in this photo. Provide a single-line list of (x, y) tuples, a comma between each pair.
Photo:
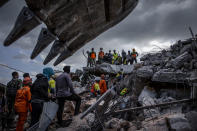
[(36, 112), (21, 121), (61, 101), (11, 113), (135, 59)]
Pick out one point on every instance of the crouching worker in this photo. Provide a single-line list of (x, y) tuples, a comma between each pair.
[(95, 89), (3, 108), (22, 103)]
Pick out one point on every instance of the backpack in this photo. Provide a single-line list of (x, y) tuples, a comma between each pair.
[(13, 86)]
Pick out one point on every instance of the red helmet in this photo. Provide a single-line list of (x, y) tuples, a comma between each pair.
[(27, 81)]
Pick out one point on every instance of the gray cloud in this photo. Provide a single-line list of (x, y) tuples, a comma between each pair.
[(152, 20)]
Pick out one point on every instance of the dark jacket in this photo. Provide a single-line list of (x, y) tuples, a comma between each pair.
[(13, 86), (64, 86), (39, 89)]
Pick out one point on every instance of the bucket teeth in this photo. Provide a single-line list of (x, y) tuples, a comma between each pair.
[(65, 54), (26, 21), (44, 39), (56, 48), (3, 2)]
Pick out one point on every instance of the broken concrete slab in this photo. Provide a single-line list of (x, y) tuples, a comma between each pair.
[(165, 75), (178, 123), (146, 98), (106, 68), (145, 72), (179, 61), (192, 118)]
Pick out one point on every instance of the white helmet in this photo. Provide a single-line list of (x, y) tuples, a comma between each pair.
[(97, 79)]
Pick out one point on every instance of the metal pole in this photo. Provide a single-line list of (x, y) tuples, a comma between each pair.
[(91, 108), (153, 106)]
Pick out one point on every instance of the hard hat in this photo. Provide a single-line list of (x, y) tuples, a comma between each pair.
[(97, 79)]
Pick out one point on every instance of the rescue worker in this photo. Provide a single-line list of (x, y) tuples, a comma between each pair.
[(22, 103), (124, 56), (89, 61), (65, 92), (11, 90), (134, 55), (129, 59), (102, 85), (39, 91), (3, 108), (26, 75), (95, 89), (105, 58), (49, 72), (101, 56), (119, 75), (110, 56), (93, 57), (119, 60), (115, 56)]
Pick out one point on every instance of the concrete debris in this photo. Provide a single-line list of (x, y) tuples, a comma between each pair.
[(146, 98), (179, 61), (166, 75), (106, 68), (161, 77), (178, 123), (192, 118), (145, 72)]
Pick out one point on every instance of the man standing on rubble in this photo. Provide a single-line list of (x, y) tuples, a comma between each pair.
[(89, 61), (93, 57), (134, 56), (110, 57), (65, 91), (115, 56), (129, 59), (101, 56), (124, 55), (11, 90)]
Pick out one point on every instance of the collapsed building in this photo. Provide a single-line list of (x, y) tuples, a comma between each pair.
[(161, 93)]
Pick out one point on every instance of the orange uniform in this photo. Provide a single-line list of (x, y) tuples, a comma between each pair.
[(103, 86), (23, 97), (101, 54), (93, 55)]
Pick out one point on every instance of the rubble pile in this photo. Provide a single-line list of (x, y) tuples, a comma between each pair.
[(161, 77), (106, 68), (174, 65)]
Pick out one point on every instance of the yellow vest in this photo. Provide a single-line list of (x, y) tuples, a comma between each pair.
[(51, 84), (96, 87)]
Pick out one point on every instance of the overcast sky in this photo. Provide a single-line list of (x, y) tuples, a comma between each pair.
[(153, 22)]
